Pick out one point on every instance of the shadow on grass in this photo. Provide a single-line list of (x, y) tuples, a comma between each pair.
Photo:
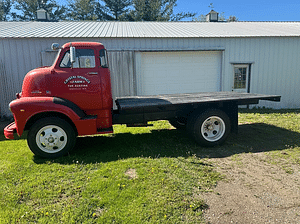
[(260, 137), (253, 138), (2, 137)]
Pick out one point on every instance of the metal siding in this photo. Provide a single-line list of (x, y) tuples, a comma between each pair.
[(7, 82), (5, 91), (47, 57), (275, 61), (122, 73), (274, 71)]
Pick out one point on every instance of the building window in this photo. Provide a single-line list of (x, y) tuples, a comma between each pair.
[(240, 77)]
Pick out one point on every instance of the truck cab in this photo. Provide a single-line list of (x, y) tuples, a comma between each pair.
[(76, 89), (83, 80)]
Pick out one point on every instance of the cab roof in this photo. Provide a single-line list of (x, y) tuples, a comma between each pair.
[(83, 44)]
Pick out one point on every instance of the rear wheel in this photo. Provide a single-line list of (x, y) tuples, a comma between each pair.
[(209, 128), (51, 137)]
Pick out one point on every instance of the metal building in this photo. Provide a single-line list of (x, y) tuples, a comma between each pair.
[(149, 58)]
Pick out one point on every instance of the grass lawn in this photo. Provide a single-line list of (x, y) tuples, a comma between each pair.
[(136, 175)]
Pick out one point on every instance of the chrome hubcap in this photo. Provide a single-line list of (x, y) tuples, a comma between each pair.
[(51, 139), (213, 129)]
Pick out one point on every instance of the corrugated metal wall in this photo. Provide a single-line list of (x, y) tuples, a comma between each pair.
[(274, 62), (274, 70), (4, 86), (122, 73)]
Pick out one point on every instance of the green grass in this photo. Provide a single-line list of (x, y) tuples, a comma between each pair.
[(137, 175)]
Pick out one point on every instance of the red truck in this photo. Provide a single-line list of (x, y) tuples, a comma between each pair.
[(73, 98)]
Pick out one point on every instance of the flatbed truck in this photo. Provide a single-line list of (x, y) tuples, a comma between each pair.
[(73, 98)]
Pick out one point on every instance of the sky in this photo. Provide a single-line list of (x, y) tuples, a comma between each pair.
[(253, 10)]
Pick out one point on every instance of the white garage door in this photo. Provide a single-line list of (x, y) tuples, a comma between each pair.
[(178, 72)]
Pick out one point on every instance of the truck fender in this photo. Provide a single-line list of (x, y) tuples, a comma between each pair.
[(26, 108)]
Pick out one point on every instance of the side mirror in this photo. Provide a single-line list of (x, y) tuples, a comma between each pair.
[(55, 46), (72, 55)]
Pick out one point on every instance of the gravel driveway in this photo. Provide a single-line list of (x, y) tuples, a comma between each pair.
[(253, 191)]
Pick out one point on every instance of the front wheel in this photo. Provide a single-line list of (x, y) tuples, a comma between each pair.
[(51, 137), (209, 128)]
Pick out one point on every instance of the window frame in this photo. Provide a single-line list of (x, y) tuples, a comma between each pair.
[(247, 74), (77, 57)]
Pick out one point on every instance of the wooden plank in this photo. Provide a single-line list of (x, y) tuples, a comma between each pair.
[(134, 102)]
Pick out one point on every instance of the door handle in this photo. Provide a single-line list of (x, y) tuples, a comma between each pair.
[(92, 73)]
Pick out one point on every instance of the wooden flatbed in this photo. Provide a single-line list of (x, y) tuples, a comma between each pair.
[(139, 102)]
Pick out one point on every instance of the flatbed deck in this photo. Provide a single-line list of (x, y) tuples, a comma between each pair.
[(139, 102)]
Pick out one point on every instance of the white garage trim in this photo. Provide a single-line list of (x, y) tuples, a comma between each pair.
[(178, 72)]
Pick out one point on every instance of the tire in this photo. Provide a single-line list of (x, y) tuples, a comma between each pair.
[(209, 128), (51, 137), (178, 122)]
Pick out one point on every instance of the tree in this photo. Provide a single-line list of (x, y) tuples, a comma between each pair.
[(29, 8), (60, 13), (156, 10), (115, 9), (201, 18), (182, 15), (232, 19), (5, 7), (82, 10)]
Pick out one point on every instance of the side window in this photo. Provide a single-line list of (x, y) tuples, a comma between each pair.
[(85, 58), (103, 58)]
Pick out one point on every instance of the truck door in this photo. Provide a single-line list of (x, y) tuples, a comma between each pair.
[(80, 82)]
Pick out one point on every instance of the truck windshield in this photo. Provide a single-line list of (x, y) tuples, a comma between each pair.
[(85, 58)]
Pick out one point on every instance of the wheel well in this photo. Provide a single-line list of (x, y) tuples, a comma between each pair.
[(39, 116), (230, 108), (199, 109)]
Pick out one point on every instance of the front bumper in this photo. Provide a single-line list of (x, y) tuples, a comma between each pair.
[(9, 130)]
